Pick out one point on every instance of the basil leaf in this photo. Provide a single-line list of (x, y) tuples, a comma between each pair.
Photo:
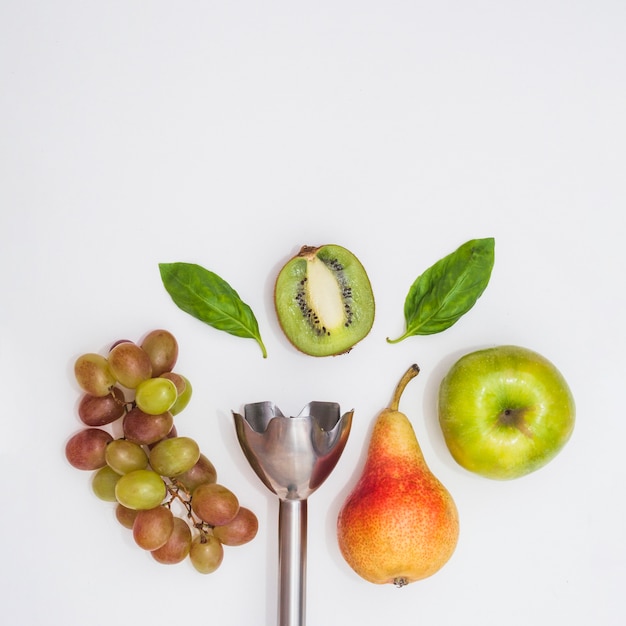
[(209, 298), (446, 291)]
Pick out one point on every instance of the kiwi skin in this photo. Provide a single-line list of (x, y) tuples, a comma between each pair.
[(324, 300)]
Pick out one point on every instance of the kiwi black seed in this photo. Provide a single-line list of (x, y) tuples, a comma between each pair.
[(324, 300)]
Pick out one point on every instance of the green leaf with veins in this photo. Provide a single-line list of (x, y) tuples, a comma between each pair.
[(448, 289), (210, 299)]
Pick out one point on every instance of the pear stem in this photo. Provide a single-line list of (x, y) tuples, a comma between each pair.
[(410, 374)]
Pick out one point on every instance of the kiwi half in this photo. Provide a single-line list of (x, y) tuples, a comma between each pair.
[(324, 300)]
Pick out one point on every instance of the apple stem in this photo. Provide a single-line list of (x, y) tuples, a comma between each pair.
[(411, 373)]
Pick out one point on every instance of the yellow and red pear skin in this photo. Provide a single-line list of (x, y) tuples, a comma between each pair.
[(399, 524)]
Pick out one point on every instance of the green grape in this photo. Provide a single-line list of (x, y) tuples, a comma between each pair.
[(104, 482), (206, 553), (162, 348), (129, 364), (140, 489), (146, 429), (153, 527), (183, 397), (174, 456), (202, 472), (86, 449), (156, 395), (124, 456), (102, 410), (214, 504), (93, 374), (242, 529), (177, 547)]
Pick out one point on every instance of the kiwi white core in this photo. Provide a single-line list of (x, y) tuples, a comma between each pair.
[(324, 294)]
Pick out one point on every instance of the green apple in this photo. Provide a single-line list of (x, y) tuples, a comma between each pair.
[(505, 411)]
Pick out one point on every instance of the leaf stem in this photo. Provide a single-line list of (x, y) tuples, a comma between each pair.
[(399, 339), (263, 350)]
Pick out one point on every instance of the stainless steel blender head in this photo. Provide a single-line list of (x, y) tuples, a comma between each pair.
[(293, 456)]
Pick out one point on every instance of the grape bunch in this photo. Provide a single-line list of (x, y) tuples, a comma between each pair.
[(165, 489)]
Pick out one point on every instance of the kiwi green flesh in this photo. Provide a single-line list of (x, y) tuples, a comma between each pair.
[(324, 300)]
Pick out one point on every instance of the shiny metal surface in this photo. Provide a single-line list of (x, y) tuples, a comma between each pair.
[(292, 456)]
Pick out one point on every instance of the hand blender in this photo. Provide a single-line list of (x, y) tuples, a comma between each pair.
[(292, 456)]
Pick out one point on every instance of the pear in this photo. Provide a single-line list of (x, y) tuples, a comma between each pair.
[(399, 524)]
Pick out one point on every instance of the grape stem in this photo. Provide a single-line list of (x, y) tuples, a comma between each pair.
[(174, 489)]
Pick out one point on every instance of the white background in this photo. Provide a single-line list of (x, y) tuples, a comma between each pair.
[(230, 134)]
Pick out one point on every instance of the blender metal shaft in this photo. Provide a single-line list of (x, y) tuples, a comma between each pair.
[(292, 548)]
